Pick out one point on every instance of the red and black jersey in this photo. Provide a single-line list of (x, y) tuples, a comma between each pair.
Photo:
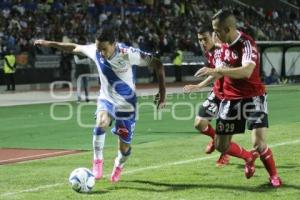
[(214, 57), (243, 50)]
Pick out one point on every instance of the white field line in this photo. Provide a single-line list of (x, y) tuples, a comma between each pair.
[(140, 170), (36, 156), (31, 190)]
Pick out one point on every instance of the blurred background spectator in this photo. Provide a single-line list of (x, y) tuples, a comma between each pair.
[(273, 78), (9, 69)]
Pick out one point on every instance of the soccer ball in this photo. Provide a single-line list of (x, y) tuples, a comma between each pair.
[(82, 180)]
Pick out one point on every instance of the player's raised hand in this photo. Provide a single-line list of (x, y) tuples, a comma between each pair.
[(201, 72), (160, 99), (43, 43), (205, 71), (190, 88)]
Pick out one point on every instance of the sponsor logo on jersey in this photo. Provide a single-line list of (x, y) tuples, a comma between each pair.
[(234, 55)]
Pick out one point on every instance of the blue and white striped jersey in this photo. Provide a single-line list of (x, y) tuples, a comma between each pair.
[(116, 74)]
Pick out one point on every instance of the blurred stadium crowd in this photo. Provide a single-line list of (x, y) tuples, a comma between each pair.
[(153, 25)]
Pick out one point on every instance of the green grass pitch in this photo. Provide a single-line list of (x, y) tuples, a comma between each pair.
[(168, 159)]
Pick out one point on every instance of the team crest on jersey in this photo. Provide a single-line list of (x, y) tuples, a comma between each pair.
[(220, 127)]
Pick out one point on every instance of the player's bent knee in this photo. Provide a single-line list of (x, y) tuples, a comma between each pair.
[(259, 143), (102, 124), (200, 123), (260, 146), (103, 120), (126, 152)]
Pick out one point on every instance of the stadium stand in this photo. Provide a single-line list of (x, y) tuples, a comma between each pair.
[(155, 26)]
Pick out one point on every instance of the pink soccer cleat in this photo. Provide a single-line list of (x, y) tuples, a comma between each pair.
[(249, 165), (97, 168), (275, 181), (116, 174), (223, 160), (210, 147)]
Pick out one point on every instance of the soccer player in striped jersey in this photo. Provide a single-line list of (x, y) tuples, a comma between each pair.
[(209, 108), (117, 98)]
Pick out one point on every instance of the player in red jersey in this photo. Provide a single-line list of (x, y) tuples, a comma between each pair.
[(209, 108), (245, 98)]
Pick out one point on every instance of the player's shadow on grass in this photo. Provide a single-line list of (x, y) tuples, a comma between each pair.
[(285, 185), (292, 166), (184, 186), (96, 191), (242, 166)]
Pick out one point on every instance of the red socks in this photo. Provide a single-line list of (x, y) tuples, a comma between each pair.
[(209, 131), (234, 149), (238, 151), (267, 159)]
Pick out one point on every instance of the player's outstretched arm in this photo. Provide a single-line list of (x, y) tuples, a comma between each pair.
[(244, 71), (160, 98), (82, 61), (202, 84), (67, 47)]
